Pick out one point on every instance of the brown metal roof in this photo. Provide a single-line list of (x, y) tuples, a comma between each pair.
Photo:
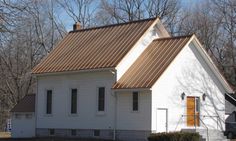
[(94, 48), (152, 63), (26, 104)]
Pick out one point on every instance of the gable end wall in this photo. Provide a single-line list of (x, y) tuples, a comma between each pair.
[(188, 73), (155, 31)]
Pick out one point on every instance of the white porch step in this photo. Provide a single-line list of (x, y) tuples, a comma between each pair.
[(213, 135)]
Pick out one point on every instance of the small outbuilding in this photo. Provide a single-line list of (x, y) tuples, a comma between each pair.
[(23, 118)]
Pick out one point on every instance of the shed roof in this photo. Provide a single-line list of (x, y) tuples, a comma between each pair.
[(26, 104), (94, 48), (152, 63)]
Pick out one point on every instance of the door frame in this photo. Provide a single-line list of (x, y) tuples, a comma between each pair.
[(199, 111), (166, 110)]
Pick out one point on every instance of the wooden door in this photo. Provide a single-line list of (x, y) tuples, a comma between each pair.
[(192, 111)]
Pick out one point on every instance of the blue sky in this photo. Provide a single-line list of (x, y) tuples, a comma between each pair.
[(190, 3), (68, 21)]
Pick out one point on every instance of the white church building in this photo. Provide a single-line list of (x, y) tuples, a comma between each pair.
[(123, 81)]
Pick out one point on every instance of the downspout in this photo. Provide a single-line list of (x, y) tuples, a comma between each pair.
[(115, 117), (113, 93), (36, 107)]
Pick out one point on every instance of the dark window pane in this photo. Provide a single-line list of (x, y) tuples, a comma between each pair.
[(74, 101), (49, 102), (96, 133), (197, 104), (51, 131), (73, 132), (101, 98), (135, 101)]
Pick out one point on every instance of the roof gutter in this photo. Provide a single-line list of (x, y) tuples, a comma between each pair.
[(131, 89), (112, 70)]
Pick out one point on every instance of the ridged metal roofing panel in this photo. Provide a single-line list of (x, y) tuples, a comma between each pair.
[(94, 48), (152, 63)]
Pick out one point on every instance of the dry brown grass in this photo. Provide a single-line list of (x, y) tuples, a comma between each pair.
[(5, 134)]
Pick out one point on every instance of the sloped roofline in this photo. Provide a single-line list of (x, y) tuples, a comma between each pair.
[(111, 25), (211, 64), (135, 76), (141, 38), (112, 64), (205, 56), (163, 32)]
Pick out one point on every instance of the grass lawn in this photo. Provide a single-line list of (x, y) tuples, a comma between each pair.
[(50, 139), (5, 134), (6, 137)]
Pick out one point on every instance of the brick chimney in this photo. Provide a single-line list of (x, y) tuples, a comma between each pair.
[(76, 26)]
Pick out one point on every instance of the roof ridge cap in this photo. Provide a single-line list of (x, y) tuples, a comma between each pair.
[(112, 25)]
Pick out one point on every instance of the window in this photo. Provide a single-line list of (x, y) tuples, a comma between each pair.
[(135, 101), (96, 133), (51, 132), (49, 102), (18, 116), (197, 104), (73, 101), (28, 116), (101, 98), (73, 132)]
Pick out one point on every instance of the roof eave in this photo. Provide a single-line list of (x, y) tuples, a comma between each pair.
[(211, 64), (130, 89), (22, 111), (76, 71)]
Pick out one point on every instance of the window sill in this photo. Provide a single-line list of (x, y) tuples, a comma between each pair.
[(100, 113), (73, 115), (48, 115), (135, 111)]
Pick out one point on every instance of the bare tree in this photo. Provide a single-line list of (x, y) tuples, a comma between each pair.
[(30, 32), (79, 10), (225, 14), (213, 22), (118, 11)]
